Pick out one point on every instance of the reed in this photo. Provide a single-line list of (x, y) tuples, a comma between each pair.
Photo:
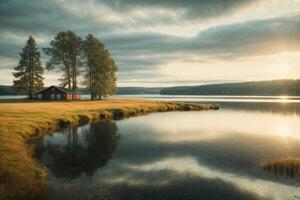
[(287, 166)]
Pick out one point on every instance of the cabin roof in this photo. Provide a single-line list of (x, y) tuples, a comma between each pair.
[(68, 91)]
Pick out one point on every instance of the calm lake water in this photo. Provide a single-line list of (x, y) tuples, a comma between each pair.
[(208, 155)]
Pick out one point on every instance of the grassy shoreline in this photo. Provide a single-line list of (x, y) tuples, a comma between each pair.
[(20, 175)]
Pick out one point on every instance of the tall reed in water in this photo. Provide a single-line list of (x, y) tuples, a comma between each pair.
[(287, 166)]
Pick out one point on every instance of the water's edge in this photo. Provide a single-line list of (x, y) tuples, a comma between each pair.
[(41, 188)]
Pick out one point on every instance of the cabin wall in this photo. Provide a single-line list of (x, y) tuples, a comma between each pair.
[(51, 94), (77, 96), (69, 97), (73, 96)]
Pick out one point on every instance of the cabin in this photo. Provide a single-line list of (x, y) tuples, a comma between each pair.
[(56, 93)]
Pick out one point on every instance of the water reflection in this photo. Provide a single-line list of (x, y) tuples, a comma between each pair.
[(80, 150), (176, 155), (275, 108)]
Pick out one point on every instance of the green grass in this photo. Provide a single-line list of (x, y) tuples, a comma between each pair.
[(21, 177)]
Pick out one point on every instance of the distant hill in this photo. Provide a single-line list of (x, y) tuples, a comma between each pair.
[(264, 88), (8, 90), (130, 90), (139, 90), (268, 88)]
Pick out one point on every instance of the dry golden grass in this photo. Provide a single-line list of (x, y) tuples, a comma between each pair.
[(289, 167), (20, 176)]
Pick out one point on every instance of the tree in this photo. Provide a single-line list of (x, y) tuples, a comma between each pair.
[(65, 53), (28, 75), (100, 68), (73, 156)]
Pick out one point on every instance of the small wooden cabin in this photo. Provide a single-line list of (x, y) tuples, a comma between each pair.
[(56, 93)]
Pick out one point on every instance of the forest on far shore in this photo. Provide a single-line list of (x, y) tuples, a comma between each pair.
[(259, 88), (8, 90), (263, 88)]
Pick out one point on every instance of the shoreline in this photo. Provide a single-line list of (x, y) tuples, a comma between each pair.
[(21, 177)]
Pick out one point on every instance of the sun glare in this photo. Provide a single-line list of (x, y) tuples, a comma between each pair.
[(284, 131), (284, 99)]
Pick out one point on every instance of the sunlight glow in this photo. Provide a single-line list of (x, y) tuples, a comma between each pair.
[(284, 99), (284, 131), (203, 127)]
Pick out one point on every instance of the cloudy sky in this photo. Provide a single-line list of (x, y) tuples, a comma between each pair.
[(165, 42)]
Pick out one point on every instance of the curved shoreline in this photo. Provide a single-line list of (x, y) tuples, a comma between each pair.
[(21, 177)]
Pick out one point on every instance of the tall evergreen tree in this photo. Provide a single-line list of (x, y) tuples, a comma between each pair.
[(28, 75), (65, 53), (100, 68)]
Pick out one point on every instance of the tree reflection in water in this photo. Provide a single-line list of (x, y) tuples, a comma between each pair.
[(84, 150)]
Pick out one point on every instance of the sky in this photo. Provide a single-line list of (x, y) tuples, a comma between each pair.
[(160, 43)]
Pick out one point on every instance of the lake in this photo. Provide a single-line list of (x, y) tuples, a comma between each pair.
[(193, 98), (178, 155)]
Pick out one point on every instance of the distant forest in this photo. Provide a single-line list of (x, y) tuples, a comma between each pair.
[(8, 90), (264, 88), (139, 90)]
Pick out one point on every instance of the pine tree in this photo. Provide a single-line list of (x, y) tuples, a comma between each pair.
[(65, 53), (28, 75), (100, 68)]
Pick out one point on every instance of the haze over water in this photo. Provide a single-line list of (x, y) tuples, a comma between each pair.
[(178, 155)]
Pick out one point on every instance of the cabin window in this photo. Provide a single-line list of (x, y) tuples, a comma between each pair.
[(39, 96), (58, 96), (52, 96), (52, 89)]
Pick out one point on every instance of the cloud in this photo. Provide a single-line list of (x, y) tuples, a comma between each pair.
[(193, 8), (141, 35), (52, 16), (253, 38)]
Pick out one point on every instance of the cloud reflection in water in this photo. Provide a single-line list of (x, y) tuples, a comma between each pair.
[(193, 155)]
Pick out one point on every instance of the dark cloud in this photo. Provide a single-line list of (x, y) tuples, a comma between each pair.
[(137, 51), (49, 17), (31, 16), (9, 50), (194, 8), (251, 38)]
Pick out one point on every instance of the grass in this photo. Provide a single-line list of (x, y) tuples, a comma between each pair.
[(21, 177), (288, 166)]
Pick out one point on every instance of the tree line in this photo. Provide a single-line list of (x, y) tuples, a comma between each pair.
[(71, 55), (261, 88)]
